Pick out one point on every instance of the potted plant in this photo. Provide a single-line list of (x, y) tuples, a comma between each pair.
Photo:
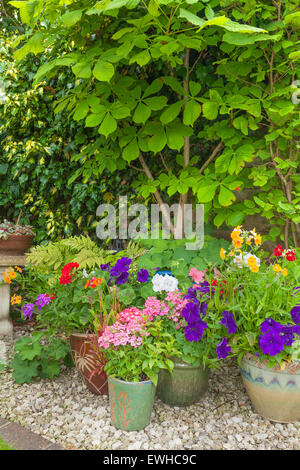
[(15, 239), (85, 303), (263, 313), (136, 349), (191, 319)]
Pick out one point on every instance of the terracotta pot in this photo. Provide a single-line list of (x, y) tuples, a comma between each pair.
[(131, 403), (86, 361), (274, 392), (15, 245), (185, 386)]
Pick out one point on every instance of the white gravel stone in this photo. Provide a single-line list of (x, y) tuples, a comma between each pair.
[(64, 411)]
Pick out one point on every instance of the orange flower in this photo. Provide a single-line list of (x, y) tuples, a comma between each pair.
[(237, 242), (96, 281), (18, 269), (284, 272), (7, 278), (248, 241), (87, 284)]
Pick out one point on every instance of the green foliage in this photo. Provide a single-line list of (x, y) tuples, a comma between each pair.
[(33, 358), (36, 146), (51, 257), (173, 255)]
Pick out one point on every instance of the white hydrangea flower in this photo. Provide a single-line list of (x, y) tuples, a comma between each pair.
[(164, 283)]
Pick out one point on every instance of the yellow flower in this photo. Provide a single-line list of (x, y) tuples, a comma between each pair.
[(284, 272), (277, 268), (236, 232), (254, 268), (231, 253), (222, 253), (13, 274), (258, 240), (16, 299), (248, 241), (251, 261)]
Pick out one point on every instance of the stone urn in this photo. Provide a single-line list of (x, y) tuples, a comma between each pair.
[(87, 363), (16, 245)]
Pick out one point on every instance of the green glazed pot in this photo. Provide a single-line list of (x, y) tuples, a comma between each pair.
[(185, 386), (131, 403), (274, 393)]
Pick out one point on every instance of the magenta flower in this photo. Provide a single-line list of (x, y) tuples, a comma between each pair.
[(27, 311)]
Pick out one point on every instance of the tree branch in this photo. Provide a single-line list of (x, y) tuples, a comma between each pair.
[(211, 157), (157, 194)]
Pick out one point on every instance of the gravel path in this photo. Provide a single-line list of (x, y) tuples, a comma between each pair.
[(64, 411)]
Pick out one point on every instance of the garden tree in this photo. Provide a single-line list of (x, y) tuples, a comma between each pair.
[(261, 126), (35, 151), (134, 65)]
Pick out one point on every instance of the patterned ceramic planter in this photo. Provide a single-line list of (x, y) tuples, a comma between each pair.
[(131, 403), (274, 393), (86, 361), (185, 386)]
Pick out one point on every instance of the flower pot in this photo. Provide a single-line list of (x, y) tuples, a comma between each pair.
[(131, 403), (86, 361), (15, 245), (185, 386), (274, 393)]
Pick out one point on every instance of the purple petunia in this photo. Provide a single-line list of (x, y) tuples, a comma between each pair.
[(105, 267), (121, 266), (272, 342), (42, 300), (27, 311), (295, 314), (228, 322), (203, 308), (122, 279), (194, 331), (191, 312), (269, 324), (287, 334), (142, 275), (223, 349)]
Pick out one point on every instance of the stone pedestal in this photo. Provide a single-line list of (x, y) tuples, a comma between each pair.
[(6, 326)]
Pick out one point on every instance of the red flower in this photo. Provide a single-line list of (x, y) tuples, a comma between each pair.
[(68, 267), (66, 277), (290, 255), (238, 188), (214, 282), (278, 250)]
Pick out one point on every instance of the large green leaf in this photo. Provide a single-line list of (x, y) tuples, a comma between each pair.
[(192, 111), (71, 17), (103, 70), (108, 125), (171, 112)]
